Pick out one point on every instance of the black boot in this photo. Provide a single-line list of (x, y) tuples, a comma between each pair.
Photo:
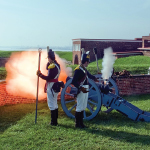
[(56, 111), (77, 120), (81, 119), (53, 118)]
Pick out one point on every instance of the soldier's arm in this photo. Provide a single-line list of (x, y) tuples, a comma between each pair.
[(44, 77), (51, 71), (91, 76), (75, 82)]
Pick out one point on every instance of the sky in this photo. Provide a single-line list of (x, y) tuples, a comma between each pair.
[(57, 22)]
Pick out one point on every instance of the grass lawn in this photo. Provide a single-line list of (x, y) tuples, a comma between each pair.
[(106, 131), (133, 64), (3, 73), (65, 55), (6, 54)]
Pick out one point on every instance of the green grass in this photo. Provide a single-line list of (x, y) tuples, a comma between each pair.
[(65, 55), (6, 54), (133, 64), (106, 131), (3, 73)]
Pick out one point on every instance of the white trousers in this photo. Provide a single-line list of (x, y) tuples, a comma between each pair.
[(82, 99), (51, 97)]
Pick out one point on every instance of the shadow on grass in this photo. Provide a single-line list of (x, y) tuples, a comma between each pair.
[(10, 114), (119, 120), (101, 126), (121, 135)]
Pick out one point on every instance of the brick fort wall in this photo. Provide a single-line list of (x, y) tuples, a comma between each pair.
[(133, 85), (117, 46)]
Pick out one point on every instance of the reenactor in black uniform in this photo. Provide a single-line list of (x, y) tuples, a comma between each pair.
[(52, 85), (80, 81)]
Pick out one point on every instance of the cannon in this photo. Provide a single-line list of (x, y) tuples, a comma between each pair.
[(103, 93)]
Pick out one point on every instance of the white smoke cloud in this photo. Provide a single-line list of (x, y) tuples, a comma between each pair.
[(107, 64), (21, 73)]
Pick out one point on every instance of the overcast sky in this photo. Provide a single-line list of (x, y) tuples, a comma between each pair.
[(57, 22)]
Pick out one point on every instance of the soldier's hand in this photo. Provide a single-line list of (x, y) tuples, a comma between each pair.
[(38, 72), (62, 84), (84, 90)]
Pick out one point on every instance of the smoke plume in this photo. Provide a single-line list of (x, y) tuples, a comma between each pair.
[(21, 73), (107, 64)]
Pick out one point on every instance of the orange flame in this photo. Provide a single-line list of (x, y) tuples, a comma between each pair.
[(21, 73)]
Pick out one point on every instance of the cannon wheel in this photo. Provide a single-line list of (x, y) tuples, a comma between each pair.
[(112, 84), (69, 104)]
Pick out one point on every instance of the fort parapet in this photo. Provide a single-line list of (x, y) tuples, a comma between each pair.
[(121, 47)]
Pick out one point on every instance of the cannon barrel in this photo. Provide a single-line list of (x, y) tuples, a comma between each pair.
[(104, 88)]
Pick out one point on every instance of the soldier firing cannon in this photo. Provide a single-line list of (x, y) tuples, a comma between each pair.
[(104, 93)]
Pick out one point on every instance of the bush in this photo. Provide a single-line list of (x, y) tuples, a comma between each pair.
[(3, 73)]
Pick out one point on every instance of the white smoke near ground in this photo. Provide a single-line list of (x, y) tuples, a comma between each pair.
[(107, 64), (69, 71), (64, 70)]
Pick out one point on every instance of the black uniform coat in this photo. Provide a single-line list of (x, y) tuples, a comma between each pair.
[(52, 71), (79, 76)]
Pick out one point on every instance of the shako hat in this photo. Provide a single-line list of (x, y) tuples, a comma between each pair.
[(51, 54), (85, 57)]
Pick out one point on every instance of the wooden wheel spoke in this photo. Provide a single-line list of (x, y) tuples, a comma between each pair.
[(90, 88), (66, 102), (71, 86), (69, 94), (72, 107), (92, 95), (89, 101), (89, 107)]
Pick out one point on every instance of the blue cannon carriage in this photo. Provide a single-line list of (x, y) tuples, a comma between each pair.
[(100, 95)]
